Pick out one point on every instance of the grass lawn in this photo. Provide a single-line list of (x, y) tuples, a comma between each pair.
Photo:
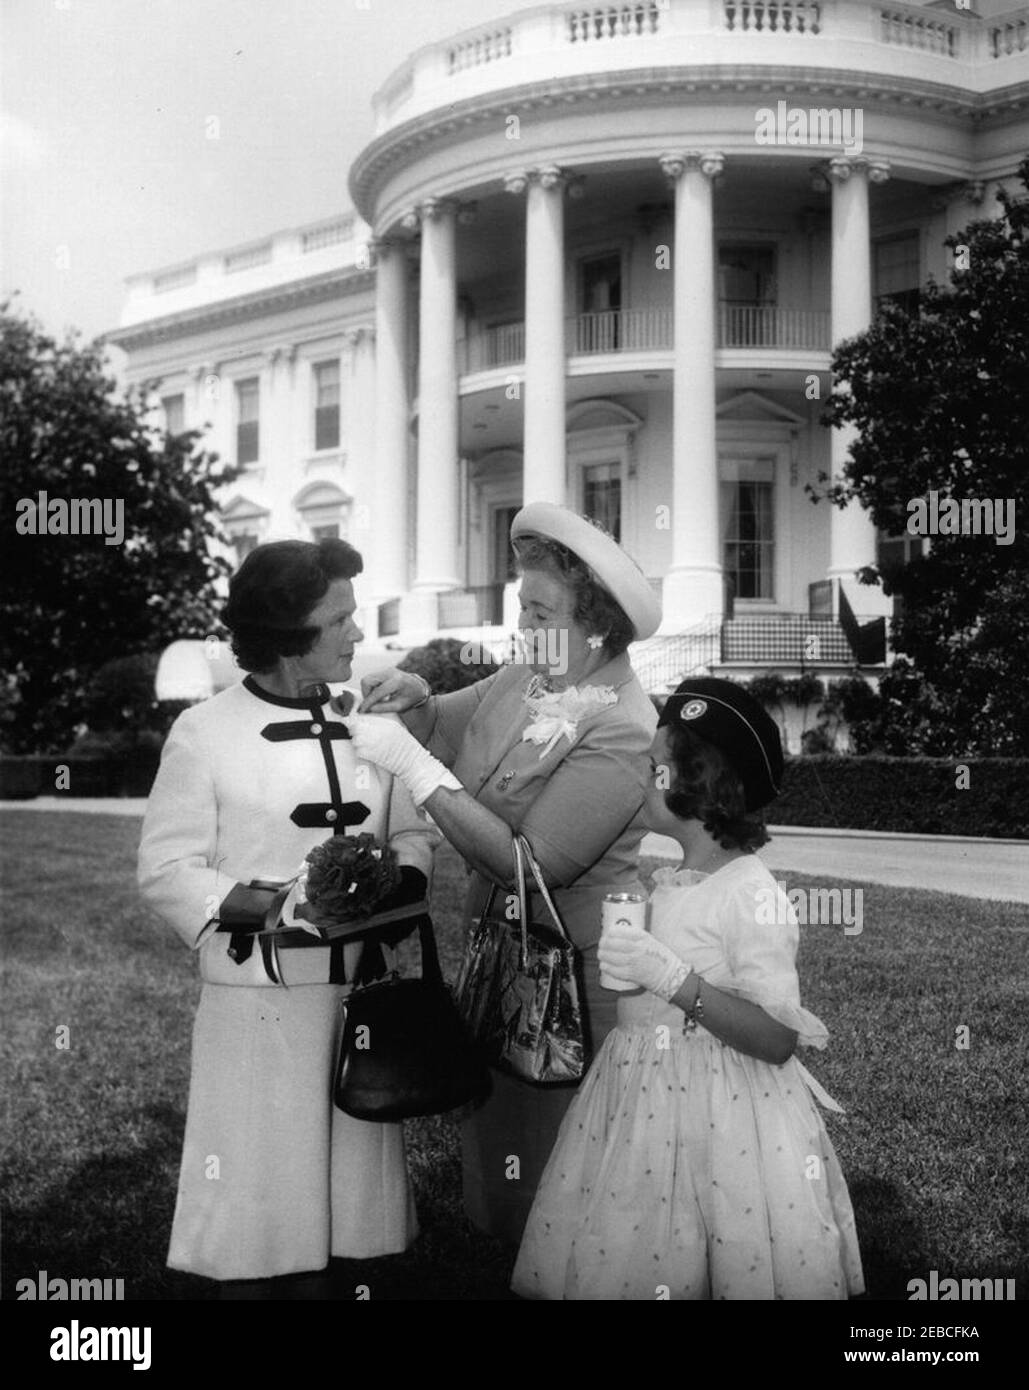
[(933, 1144)]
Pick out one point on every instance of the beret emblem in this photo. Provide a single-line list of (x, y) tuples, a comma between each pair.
[(694, 709)]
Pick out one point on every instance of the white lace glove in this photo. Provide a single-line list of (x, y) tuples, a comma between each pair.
[(630, 954), (387, 743)]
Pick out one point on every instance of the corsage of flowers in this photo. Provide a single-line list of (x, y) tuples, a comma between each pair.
[(347, 876), (558, 714)]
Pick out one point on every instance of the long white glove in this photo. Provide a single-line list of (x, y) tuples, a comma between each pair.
[(631, 954), (386, 742)]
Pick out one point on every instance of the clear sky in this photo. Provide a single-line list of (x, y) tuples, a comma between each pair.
[(107, 165)]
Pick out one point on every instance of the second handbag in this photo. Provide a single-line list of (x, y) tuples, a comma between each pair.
[(518, 990)]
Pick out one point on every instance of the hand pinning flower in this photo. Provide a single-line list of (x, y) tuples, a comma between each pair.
[(557, 715)]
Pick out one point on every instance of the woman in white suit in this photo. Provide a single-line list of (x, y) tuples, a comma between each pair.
[(274, 1180)]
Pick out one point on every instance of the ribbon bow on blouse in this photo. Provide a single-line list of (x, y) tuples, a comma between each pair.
[(556, 715)]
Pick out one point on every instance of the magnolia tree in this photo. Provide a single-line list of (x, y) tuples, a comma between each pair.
[(940, 399), (106, 521)]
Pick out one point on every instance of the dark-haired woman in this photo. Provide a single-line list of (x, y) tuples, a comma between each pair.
[(274, 1180), (555, 747), (693, 1163)]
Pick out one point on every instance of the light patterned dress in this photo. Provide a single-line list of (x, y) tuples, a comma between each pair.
[(685, 1169)]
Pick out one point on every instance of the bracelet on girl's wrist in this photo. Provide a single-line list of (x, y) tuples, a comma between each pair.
[(695, 1012), (426, 687)]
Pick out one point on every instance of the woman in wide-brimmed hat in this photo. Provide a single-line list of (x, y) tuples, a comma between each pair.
[(483, 764)]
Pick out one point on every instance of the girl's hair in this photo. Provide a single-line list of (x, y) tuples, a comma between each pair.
[(706, 786), (593, 607), (272, 594)]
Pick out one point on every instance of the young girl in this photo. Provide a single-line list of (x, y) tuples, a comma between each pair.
[(693, 1163)]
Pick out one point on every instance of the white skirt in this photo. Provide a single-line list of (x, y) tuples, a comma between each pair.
[(274, 1177)]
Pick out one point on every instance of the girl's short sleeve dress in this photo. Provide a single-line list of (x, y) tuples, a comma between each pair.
[(687, 1169)]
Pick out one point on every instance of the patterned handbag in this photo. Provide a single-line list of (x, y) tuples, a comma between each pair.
[(517, 990)]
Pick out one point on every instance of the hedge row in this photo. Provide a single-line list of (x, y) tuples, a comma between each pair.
[(22, 778), (922, 796)]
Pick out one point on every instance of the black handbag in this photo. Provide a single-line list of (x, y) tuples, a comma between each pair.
[(405, 1049)]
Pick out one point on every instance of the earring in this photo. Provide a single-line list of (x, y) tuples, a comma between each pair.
[(594, 642)]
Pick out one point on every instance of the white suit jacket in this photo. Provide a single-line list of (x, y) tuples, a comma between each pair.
[(248, 784)]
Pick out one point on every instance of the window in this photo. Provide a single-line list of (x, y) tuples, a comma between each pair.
[(326, 405), (896, 271), (746, 274), (323, 510), (174, 408), (248, 401), (504, 567), (893, 553), (748, 496), (243, 542), (600, 295), (602, 496), (747, 291)]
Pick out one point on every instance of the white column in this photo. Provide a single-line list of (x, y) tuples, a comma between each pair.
[(280, 461), (692, 590), (543, 475), (387, 494), (199, 408), (437, 403), (358, 424), (851, 530)]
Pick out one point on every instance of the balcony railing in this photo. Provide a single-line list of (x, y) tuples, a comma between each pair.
[(1009, 34), (927, 32), (642, 330), (772, 16), (570, 38), (596, 22), (495, 347), (620, 330), (766, 326)]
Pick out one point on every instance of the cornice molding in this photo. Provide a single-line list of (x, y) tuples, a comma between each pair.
[(403, 145), (273, 300)]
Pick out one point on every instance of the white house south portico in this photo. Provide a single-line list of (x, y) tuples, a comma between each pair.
[(595, 280)]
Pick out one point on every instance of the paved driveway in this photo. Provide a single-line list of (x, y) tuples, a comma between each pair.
[(996, 869)]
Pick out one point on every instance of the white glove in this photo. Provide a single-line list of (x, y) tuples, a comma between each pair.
[(388, 744), (630, 954)]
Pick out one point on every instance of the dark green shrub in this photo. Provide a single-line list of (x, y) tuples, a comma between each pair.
[(439, 662), (920, 796)]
